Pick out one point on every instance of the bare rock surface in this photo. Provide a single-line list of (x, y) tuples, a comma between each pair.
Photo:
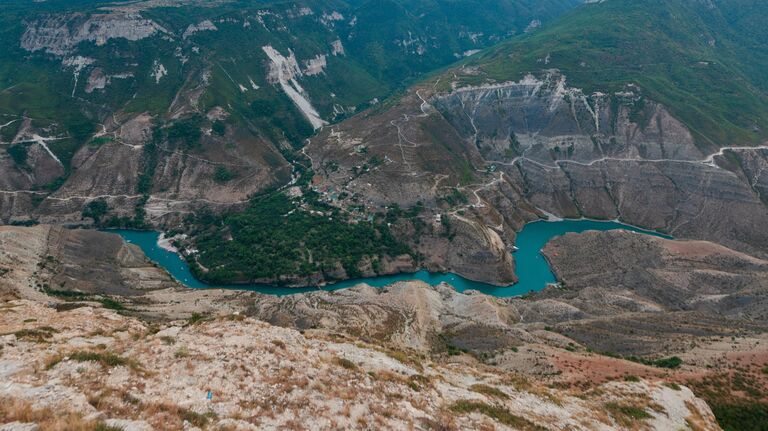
[(273, 378), (83, 261)]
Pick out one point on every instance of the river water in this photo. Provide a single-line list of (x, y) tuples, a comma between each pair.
[(532, 269)]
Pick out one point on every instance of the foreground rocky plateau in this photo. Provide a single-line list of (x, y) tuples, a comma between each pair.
[(92, 366)]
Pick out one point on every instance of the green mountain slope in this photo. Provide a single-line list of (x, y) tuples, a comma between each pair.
[(364, 51), (705, 60)]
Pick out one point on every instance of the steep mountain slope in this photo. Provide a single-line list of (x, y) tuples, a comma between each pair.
[(157, 107), (704, 61), (643, 111)]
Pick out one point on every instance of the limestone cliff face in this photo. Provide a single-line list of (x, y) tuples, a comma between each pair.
[(547, 120), (60, 34)]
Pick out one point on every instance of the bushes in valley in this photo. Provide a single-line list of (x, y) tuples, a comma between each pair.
[(81, 130), (741, 416), (671, 362), (144, 185), (218, 127), (55, 184), (101, 140), (186, 132), (95, 210), (456, 197), (222, 175), (19, 154)]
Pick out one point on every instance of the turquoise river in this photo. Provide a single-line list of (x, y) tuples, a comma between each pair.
[(532, 269)]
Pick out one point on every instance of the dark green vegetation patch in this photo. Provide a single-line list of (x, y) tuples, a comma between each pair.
[(277, 238)]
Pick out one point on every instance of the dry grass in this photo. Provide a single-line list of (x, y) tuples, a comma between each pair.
[(105, 359), (411, 359), (278, 343), (171, 416), (38, 335), (181, 352), (627, 415), (516, 381), (15, 410), (489, 390), (418, 382), (345, 363), (695, 420), (498, 413)]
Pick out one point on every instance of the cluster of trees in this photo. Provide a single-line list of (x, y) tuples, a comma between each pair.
[(275, 238)]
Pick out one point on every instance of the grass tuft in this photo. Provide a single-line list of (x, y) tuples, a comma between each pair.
[(345, 363), (626, 414), (489, 390), (501, 414)]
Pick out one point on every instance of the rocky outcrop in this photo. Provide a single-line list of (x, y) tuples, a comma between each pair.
[(60, 34), (205, 25), (668, 275), (547, 120), (633, 293), (44, 259), (409, 314)]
